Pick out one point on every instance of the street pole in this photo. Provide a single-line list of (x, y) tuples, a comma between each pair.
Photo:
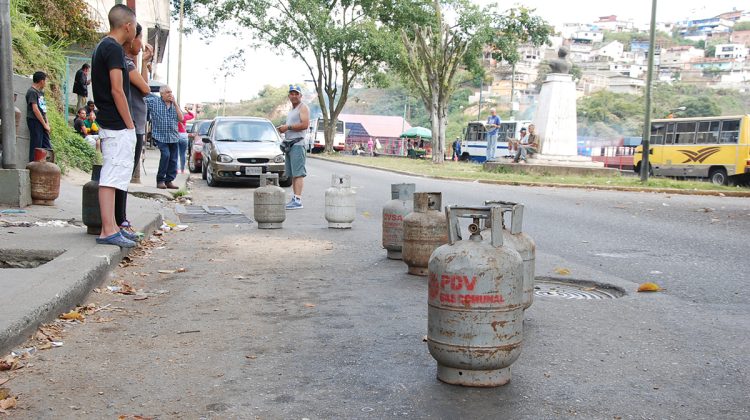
[(512, 89), (647, 118), (7, 112), (481, 86), (179, 54)]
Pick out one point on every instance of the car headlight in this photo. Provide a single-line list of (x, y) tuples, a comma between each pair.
[(279, 158), (224, 158)]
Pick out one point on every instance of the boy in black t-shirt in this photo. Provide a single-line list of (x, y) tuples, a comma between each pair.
[(111, 86), (36, 114)]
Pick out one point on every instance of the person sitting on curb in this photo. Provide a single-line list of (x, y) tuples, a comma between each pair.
[(527, 146), (91, 125)]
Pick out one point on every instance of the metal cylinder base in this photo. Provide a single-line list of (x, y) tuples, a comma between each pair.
[(418, 271), (332, 225), (394, 255), (274, 225), (478, 378), (94, 230), (39, 202)]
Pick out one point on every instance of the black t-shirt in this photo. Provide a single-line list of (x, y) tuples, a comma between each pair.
[(108, 55), (78, 125), (79, 85), (34, 96)]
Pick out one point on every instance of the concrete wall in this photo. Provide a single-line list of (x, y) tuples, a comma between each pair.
[(20, 85)]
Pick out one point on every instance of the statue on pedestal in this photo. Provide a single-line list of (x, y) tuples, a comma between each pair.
[(561, 63)]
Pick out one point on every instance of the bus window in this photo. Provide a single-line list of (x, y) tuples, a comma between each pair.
[(657, 133), (510, 131), (730, 131), (669, 137), (685, 133)]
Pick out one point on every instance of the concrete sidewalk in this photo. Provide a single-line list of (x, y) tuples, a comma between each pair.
[(76, 264)]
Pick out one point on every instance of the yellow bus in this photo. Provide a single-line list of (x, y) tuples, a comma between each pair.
[(717, 148)]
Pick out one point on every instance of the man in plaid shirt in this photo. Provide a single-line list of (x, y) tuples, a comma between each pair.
[(165, 114)]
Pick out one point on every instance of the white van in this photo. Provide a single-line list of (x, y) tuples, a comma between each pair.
[(317, 142)]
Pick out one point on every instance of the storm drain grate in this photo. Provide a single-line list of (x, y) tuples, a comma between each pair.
[(563, 290), (210, 214)]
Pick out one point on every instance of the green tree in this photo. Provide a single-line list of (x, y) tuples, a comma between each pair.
[(702, 106), (339, 41), (433, 56), (741, 26), (62, 21)]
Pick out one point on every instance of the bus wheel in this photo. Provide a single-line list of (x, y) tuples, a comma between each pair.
[(718, 176)]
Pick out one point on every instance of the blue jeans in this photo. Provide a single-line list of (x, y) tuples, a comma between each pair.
[(167, 162), (182, 145), (491, 146)]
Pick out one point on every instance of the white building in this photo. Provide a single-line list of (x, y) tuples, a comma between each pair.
[(611, 23), (736, 52), (587, 36), (610, 52), (678, 56)]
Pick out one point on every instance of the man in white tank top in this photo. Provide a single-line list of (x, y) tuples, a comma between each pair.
[(295, 130)]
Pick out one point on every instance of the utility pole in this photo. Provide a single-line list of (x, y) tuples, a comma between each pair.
[(481, 87), (179, 53), (647, 118), (512, 88), (7, 112)]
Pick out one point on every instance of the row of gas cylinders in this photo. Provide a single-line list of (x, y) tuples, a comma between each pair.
[(478, 287), (269, 203)]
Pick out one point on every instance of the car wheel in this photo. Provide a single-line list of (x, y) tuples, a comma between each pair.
[(210, 180), (285, 182), (718, 176), (203, 171)]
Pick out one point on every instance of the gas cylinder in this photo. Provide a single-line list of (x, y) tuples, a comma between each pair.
[(425, 229), (394, 211), (340, 202), (521, 242), (269, 202), (45, 179), (91, 215), (475, 303)]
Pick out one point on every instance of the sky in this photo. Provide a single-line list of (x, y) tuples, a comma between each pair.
[(201, 81)]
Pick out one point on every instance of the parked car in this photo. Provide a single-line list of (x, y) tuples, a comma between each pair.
[(195, 144), (239, 149)]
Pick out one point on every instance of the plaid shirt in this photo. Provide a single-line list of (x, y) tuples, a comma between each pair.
[(163, 120)]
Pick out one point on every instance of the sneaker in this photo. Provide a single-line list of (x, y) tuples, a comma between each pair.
[(294, 204), (130, 235), (171, 186), (116, 239), (161, 186)]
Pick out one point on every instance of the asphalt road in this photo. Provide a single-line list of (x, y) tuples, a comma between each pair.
[(308, 322)]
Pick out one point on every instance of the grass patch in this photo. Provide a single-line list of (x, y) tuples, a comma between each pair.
[(474, 171), (179, 193)]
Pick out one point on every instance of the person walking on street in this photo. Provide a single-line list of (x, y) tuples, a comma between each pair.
[(493, 122), (80, 85), (111, 88), (295, 129), (183, 144), (36, 114), (165, 114)]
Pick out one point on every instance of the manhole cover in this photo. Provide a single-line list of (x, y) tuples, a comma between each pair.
[(210, 214), (563, 290)]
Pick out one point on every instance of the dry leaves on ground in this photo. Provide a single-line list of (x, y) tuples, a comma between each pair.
[(562, 271)]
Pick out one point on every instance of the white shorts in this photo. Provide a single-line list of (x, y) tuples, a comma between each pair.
[(118, 153)]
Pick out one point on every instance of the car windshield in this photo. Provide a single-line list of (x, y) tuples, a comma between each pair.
[(245, 131), (203, 128)]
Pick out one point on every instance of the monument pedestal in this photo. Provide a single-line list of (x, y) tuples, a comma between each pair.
[(555, 118)]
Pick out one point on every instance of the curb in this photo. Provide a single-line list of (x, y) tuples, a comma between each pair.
[(673, 191), (94, 275)]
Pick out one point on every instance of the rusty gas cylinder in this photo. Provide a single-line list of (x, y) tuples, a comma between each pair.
[(394, 212), (475, 303), (90, 213), (425, 229), (340, 202), (45, 179), (269, 199), (520, 241)]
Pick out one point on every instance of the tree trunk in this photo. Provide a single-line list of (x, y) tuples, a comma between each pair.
[(330, 132), (436, 118)]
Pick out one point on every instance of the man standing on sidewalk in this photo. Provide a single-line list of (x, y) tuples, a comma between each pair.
[(493, 122), (36, 114), (295, 130), (111, 86), (165, 114), (80, 85)]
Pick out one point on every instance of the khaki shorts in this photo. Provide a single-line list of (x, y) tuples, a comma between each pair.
[(294, 163), (118, 151)]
